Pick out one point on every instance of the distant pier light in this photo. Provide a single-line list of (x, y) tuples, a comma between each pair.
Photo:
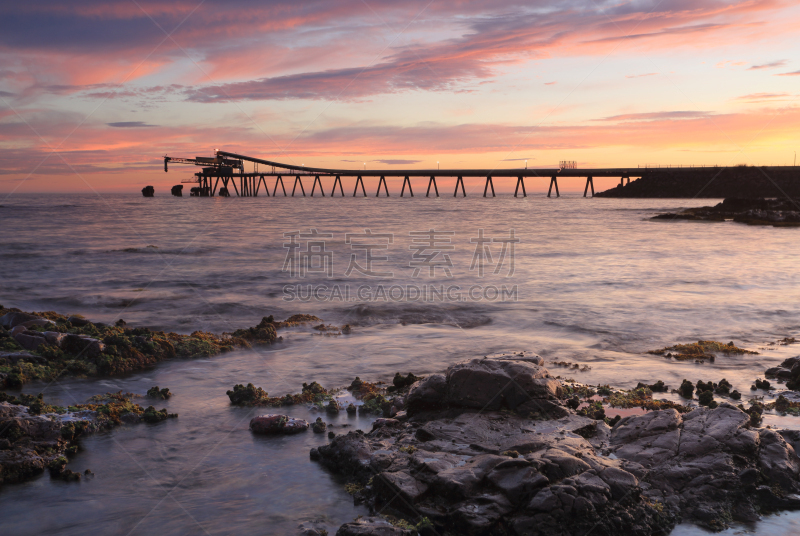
[(568, 164)]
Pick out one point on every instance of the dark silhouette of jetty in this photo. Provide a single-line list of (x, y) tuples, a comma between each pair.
[(223, 174)]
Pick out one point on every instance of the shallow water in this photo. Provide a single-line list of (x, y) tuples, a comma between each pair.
[(598, 284)]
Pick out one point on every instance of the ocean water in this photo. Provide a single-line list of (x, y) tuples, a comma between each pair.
[(589, 281)]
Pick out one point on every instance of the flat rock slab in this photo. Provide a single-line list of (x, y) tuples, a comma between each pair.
[(277, 424), (372, 526), (496, 432)]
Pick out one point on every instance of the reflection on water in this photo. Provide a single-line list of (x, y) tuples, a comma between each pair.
[(598, 285)]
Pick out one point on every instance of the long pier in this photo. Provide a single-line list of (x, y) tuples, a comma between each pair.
[(223, 171)]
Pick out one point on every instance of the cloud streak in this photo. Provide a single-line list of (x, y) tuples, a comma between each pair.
[(130, 124), (772, 65)]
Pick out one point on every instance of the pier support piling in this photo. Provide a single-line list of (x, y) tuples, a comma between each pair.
[(360, 181), (406, 180), (338, 180), (296, 180), (589, 182), (488, 183), (385, 188), (313, 187), (520, 182), (461, 182), (262, 180), (433, 182), (553, 182), (279, 180)]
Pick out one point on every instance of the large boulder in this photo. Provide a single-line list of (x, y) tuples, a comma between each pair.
[(10, 320), (277, 424), (427, 394), (348, 454), (30, 340), (492, 384), (82, 345)]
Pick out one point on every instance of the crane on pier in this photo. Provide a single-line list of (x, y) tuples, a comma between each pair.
[(209, 162)]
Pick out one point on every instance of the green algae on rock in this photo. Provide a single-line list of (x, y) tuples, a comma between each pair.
[(162, 394), (641, 397), (48, 345), (250, 395), (35, 435), (700, 350)]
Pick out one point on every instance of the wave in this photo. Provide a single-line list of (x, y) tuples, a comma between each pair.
[(460, 316), (151, 249)]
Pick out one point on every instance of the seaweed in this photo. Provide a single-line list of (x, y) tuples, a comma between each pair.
[(594, 411), (785, 406), (582, 391), (250, 395), (761, 384), (641, 397), (152, 415), (162, 394), (318, 426), (657, 387), (686, 389), (700, 350), (362, 390)]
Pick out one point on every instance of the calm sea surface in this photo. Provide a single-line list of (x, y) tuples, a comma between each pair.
[(589, 281)]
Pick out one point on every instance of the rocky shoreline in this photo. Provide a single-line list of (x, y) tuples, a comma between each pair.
[(36, 436), (775, 212), (48, 345), (494, 447)]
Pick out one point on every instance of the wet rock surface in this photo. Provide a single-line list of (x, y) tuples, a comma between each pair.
[(277, 424), (507, 469)]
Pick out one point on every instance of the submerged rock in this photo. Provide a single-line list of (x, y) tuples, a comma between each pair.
[(277, 424)]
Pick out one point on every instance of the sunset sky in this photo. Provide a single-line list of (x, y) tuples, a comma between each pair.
[(93, 94)]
